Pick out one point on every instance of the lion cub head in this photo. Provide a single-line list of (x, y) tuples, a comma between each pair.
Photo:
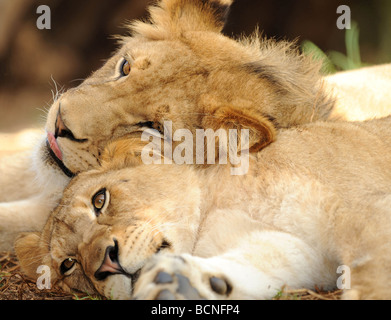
[(178, 66), (110, 221)]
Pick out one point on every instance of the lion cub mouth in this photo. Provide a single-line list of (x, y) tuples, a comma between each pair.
[(55, 153)]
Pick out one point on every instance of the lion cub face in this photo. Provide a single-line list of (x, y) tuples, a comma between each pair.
[(110, 223), (179, 67)]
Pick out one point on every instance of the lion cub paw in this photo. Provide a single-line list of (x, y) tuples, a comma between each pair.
[(169, 277)]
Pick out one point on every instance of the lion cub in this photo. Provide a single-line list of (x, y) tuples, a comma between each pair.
[(317, 199)]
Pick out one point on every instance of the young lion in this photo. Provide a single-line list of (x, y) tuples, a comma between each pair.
[(317, 198), (176, 67)]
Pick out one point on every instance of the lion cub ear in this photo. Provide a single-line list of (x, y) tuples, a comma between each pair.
[(29, 253), (261, 130), (177, 16)]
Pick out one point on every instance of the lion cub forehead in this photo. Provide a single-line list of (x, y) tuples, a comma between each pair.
[(142, 181), (136, 47)]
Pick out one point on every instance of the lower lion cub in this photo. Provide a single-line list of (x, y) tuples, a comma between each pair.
[(316, 199)]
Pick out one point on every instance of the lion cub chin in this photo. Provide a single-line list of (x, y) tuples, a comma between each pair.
[(314, 204)]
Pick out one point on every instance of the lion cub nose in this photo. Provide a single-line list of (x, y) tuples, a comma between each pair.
[(61, 130), (110, 264)]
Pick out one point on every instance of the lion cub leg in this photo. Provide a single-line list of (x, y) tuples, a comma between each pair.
[(258, 268)]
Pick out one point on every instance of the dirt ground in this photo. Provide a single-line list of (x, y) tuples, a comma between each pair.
[(16, 286)]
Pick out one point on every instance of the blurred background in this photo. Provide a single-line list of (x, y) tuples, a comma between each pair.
[(80, 39)]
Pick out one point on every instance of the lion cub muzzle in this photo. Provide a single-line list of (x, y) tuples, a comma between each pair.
[(61, 130), (110, 264)]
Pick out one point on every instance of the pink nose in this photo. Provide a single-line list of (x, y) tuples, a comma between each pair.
[(110, 263), (54, 146)]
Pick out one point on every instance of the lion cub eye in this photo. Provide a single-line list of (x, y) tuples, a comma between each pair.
[(99, 200), (67, 265), (125, 68)]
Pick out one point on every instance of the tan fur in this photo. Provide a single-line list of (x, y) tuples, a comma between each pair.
[(15, 149), (317, 198), (184, 70), (362, 94), (30, 187)]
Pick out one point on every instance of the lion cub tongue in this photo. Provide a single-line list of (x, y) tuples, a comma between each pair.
[(54, 146)]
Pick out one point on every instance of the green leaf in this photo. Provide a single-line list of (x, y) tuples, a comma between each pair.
[(309, 48)]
